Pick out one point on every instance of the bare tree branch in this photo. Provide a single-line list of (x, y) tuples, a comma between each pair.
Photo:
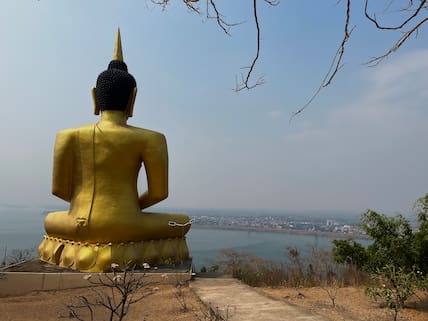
[(405, 22), (211, 6), (191, 7), (376, 60), (245, 80), (337, 60), (225, 26), (121, 288), (336, 63), (412, 11), (245, 83), (410, 7)]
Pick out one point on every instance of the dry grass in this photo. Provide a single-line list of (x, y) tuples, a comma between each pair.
[(48, 306), (351, 304)]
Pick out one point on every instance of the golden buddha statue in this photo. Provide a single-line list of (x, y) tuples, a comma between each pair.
[(95, 169)]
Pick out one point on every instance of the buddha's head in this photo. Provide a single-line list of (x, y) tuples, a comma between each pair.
[(116, 89)]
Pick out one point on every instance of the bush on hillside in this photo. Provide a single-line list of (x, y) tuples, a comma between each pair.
[(394, 242), (319, 269), (397, 259)]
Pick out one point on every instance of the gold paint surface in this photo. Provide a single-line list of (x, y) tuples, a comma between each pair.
[(96, 169), (99, 257), (117, 54)]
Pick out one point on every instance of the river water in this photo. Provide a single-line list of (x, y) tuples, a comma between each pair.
[(22, 228)]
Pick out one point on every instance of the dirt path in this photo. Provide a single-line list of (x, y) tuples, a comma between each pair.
[(169, 304)]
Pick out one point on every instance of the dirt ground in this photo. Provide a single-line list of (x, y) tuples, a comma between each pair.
[(351, 304), (163, 305)]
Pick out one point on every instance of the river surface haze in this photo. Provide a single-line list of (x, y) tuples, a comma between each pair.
[(22, 228)]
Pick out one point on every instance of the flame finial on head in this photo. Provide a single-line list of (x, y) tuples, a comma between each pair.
[(117, 55)]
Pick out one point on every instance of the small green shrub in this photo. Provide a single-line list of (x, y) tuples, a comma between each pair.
[(393, 285)]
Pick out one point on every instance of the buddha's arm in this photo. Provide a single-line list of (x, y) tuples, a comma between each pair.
[(155, 159), (62, 183)]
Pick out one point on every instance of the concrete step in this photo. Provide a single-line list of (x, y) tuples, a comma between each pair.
[(235, 301)]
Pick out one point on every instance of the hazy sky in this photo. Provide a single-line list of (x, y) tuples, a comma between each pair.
[(362, 144)]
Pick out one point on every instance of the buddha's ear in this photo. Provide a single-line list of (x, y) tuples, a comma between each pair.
[(94, 98), (130, 107)]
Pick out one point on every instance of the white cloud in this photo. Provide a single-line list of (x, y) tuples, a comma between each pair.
[(368, 153), (393, 71), (372, 152), (402, 80)]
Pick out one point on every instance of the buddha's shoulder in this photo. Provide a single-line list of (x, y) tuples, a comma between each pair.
[(130, 132), (71, 132), (145, 133)]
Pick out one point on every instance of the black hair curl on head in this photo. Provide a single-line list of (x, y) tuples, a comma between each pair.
[(117, 64), (114, 87)]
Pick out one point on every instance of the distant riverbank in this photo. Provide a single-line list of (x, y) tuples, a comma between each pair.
[(285, 231), (22, 228)]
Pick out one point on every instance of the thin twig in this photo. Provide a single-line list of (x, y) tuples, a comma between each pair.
[(224, 25), (245, 80), (376, 60), (336, 63), (397, 27)]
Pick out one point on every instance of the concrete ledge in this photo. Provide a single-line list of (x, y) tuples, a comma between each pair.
[(18, 283)]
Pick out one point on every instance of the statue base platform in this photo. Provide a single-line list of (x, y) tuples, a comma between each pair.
[(98, 257), (37, 275)]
